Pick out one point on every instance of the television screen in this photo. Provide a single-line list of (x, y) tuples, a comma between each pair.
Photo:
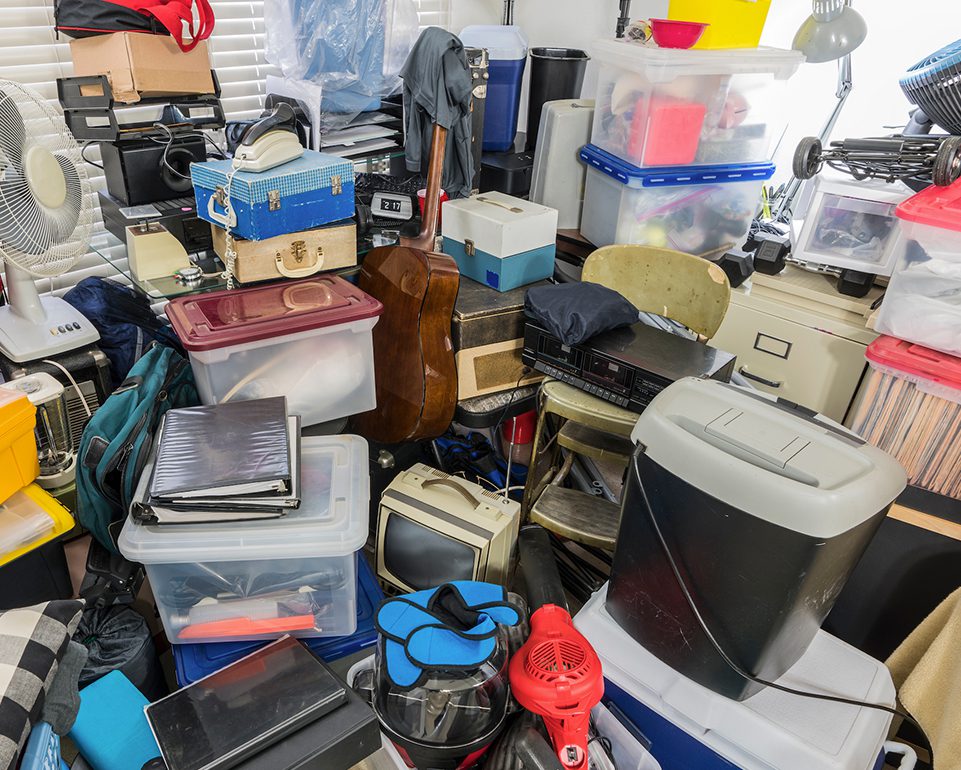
[(423, 558)]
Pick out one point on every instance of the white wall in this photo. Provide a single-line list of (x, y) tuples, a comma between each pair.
[(899, 34)]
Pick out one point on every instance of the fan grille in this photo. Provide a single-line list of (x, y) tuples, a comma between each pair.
[(934, 84), (555, 658), (44, 240)]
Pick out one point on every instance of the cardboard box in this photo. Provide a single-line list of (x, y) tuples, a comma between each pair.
[(140, 65)]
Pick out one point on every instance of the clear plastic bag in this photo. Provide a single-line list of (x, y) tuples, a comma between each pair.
[(354, 49)]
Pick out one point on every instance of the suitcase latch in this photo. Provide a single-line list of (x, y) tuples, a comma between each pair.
[(299, 251), (220, 195), (469, 248), (336, 188), (273, 200)]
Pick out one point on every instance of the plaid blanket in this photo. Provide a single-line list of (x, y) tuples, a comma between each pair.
[(32, 642)]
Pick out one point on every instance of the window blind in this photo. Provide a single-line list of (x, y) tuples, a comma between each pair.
[(32, 54)]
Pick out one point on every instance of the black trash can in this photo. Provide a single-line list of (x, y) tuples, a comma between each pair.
[(556, 73)]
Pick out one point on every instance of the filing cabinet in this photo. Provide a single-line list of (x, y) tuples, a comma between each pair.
[(796, 337)]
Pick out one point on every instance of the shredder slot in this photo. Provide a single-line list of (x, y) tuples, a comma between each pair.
[(760, 437)]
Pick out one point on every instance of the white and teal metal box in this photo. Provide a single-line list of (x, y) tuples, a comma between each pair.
[(500, 241)]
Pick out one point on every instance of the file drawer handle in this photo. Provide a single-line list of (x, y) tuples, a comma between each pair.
[(761, 380)]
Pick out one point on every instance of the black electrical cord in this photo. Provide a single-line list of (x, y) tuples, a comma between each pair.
[(517, 385), (83, 155), (727, 659)]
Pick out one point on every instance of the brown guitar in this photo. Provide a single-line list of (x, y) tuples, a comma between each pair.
[(414, 369)]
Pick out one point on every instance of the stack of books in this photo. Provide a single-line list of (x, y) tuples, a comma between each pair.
[(225, 462)]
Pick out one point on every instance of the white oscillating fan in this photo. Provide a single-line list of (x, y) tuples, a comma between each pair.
[(45, 222)]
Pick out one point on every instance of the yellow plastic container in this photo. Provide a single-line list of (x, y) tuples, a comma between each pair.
[(734, 23), (18, 446), (32, 500)]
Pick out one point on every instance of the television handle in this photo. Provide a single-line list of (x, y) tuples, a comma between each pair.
[(472, 501)]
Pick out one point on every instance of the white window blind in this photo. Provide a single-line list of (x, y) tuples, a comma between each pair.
[(31, 53)]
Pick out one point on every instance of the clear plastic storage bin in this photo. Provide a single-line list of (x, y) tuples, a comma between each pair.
[(851, 224), (923, 300), (308, 340), (671, 107), (252, 580), (698, 210)]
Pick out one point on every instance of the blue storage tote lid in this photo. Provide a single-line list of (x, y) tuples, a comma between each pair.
[(672, 176), (311, 171), (501, 41), (195, 661)]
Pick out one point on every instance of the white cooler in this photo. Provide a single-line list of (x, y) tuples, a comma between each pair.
[(248, 580), (690, 726)]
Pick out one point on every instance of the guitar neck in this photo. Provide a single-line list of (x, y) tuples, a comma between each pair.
[(435, 171)]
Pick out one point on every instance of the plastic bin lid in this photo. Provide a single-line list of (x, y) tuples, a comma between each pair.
[(14, 407), (662, 65), (195, 661), (33, 498), (501, 41), (672, 176), (330, 522), (916, 360), (767, 457), (223, 318), (934, 206)]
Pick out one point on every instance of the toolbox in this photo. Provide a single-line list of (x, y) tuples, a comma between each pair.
[(501, 241), (488, 335), (297, 255), (312, 190), (19, 464)]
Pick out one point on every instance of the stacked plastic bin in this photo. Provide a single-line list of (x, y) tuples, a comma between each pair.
[(682, 143)]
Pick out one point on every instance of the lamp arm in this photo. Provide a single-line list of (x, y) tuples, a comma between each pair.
[(845, 86)]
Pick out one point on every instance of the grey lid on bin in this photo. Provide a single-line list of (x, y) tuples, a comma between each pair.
[(772, 460)]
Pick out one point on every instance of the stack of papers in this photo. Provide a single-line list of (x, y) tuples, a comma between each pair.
[(226, 462)]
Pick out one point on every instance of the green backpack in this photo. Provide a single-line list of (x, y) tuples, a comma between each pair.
[(116, 442)]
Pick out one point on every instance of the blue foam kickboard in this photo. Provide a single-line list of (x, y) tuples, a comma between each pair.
[(503, 273), (111, 730), (195, 661)]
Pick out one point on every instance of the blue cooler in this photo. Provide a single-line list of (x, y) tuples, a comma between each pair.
[(689, 726), (500, 241), (312, 190), (195, 661), (507, 49)]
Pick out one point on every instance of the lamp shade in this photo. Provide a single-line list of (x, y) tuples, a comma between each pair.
[(831, 32)]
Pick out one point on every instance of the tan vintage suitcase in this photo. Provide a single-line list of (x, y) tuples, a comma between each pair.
[(297, 255)]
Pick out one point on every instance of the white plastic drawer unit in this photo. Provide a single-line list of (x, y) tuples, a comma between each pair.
[(814, 368)]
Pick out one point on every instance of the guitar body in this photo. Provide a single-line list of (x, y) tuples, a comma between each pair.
[(414, 370)]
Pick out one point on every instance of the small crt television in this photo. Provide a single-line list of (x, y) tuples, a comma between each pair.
[(433, 527)]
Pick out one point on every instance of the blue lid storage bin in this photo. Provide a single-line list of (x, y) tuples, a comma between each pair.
[(700, 210), (195, 661), (507, 50)]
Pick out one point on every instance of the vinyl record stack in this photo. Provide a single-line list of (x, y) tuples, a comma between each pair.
[(257, 534), (681, 144)]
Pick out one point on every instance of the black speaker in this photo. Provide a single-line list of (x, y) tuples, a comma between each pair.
[(136, 172)]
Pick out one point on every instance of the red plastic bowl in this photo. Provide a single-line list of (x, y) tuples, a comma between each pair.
[(677, 34)]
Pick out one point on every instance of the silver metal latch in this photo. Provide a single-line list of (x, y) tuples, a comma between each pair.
[(469, 248), (273, 200), (220, 195), (336, 188)]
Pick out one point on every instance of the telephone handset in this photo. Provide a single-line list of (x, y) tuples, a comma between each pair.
[(269, 142)]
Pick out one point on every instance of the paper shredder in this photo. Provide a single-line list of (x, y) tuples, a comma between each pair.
[(765, 508)]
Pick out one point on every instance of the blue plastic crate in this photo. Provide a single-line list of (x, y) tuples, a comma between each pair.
[(195, 661), (42, 751)]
